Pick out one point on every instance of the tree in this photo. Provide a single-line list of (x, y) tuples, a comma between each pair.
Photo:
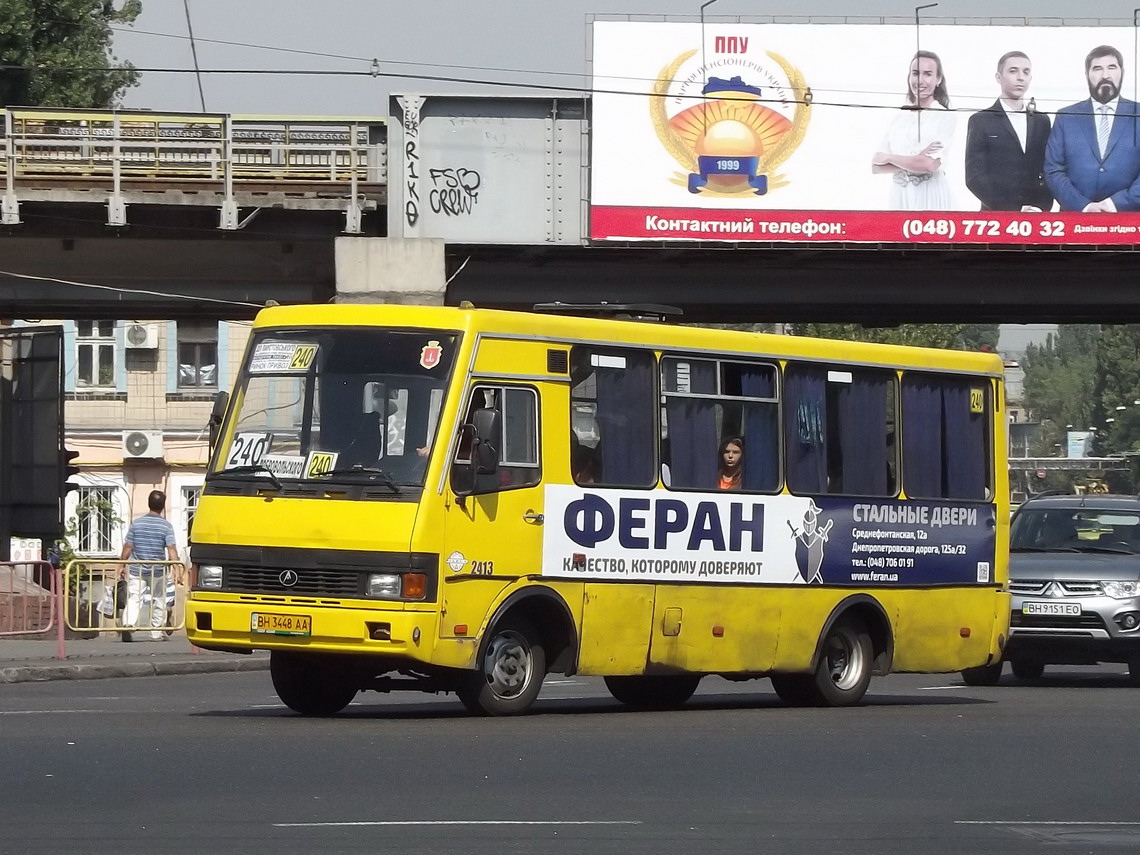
[(1118, 385), (955, 336), (1060, 378), (42, 42)]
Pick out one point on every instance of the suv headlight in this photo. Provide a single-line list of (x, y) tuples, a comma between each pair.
[(1121, 590), (210, 576)]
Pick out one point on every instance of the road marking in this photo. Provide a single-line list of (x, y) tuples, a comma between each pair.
[(461, 822), (939, 688), (45, 712), (1041, 822)]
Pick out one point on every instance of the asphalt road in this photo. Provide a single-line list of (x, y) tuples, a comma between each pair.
[(214, 763)]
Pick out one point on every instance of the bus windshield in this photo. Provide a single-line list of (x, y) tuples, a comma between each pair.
[(324, 404)]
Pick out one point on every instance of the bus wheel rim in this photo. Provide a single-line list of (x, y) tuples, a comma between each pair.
[(844, 659), (507, 665)]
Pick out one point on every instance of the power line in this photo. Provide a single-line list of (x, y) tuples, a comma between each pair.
[(123, 290), (582, 92)]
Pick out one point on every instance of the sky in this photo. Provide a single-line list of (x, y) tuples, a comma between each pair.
[(533, 41)]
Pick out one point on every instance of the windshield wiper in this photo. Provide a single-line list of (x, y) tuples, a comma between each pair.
[(255, 469), (371, 471)]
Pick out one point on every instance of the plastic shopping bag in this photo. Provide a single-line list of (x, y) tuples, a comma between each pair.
[(107, 604)]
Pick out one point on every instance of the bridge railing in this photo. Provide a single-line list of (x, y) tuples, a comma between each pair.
[(43, 150), (196, 146)]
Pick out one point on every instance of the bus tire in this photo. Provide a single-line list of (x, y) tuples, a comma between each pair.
[(843, 671), (795, 690), (510, 674), (983, 675), (653, 691), (307, 685)]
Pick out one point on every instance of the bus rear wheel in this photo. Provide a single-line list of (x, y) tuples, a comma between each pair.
[(842, 673), (510, 673), (308, 685), (653, 691), (983, 675)]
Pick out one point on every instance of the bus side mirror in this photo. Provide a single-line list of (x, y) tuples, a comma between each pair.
[(485, 450), (221, 401), (481, 435)]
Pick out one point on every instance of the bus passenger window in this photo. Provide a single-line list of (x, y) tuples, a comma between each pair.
[(946, 437), (838, 430), (707, 402), (612, 412)]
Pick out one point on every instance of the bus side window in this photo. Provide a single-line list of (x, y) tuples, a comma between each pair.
[(707, 401), (946, 437), (837, 430), (613, 402)]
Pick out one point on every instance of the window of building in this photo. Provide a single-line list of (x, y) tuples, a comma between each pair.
[(708, 404), (613, 416), (839, 430), (95, 521), (197, 355), (190, 496), (946, 437), (94, 354)]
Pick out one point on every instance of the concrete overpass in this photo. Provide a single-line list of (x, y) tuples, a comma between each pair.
[(444, 199)]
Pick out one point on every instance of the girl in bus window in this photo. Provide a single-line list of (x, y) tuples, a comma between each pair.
[(731, 463)]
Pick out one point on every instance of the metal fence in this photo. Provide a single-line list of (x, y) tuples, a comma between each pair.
[(147, 601)]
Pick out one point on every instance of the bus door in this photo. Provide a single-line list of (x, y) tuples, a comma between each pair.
[(494, 517)]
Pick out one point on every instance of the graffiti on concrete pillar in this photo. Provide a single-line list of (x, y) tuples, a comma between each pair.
[(411, 107)]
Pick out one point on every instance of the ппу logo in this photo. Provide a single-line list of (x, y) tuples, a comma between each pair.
[(730, 133)]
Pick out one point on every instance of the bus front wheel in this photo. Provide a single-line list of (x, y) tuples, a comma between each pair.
[(510, 673), (307, 684), (653, 691)]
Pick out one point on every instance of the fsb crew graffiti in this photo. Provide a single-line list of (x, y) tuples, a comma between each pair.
[(454, 191)]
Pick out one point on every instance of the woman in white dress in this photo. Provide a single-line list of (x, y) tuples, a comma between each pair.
[(918, 139)]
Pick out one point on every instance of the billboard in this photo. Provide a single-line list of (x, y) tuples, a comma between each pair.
[(848, 133)]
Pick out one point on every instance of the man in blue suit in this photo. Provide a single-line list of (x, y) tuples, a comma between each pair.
[(1092, 161)]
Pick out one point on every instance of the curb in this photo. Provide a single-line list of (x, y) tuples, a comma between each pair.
[(97, 671)]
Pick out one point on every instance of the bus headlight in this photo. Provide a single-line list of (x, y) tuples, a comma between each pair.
[(1120, 590), (210, 576), (386, 585)]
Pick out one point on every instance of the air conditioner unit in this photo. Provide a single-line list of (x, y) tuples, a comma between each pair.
[(142, 444), (142, 336)]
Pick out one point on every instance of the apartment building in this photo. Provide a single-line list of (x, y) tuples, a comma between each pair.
[(138, 397)]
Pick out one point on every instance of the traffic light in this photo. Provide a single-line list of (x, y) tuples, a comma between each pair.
[(67, 470)]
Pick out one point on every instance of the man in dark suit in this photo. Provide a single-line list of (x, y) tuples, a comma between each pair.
[(1092, 161), (1005, 145)]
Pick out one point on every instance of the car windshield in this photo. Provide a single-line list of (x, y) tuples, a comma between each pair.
[(319, 404), (1058, 529)]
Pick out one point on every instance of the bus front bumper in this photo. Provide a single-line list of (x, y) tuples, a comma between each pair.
[(246, 626)]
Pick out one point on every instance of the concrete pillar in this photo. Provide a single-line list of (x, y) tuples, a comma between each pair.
[(390, 270)]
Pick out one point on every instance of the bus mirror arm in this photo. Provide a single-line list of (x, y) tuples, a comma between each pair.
[(221, 401)]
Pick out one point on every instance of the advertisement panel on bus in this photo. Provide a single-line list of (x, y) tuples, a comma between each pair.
[(1014, 135)]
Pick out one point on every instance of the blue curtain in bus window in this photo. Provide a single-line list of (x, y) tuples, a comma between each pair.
[(965, 445), (693, 438), (626, 402), (805, 436), (922, 437), (862, 405), (761, 437)]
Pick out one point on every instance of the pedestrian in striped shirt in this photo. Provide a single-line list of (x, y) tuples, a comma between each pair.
[(150, 537)]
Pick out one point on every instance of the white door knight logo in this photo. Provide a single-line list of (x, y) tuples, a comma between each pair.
[(809, 544)]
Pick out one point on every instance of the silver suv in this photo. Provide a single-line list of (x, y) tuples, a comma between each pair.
[(1074, 573)]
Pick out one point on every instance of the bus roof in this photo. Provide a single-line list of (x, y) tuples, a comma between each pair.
[(566, 328)]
